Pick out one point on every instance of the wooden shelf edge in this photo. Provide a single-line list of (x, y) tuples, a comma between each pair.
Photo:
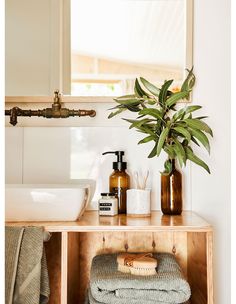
[(91, 222), (105, 229)]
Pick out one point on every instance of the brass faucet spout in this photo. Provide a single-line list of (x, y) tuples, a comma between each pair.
[(90, 113)]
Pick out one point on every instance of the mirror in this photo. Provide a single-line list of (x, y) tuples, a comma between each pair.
[(95, 48)]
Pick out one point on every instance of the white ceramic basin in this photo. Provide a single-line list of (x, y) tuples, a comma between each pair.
[(51, 202)]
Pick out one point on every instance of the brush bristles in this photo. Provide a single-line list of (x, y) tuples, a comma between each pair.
[(137, 271)]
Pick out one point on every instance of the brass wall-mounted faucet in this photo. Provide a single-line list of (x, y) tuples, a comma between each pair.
[(56, 111)]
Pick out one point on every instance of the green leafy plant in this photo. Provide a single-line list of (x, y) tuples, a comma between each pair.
[(171, 130)]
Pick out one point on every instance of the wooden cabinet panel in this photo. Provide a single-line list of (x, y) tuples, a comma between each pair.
[(74, 244)]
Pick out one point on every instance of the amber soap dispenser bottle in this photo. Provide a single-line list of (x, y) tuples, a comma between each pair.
[(119, 180)]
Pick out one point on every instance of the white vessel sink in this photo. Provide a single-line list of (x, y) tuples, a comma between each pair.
[(51, 202)]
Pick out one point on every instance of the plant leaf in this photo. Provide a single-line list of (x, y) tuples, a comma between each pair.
[(131, 96), (128, 101), (153, 152), (118, 107), (188, 82), (137, 123), (177, 152), (145, 130), (140, 116), (198, 124), (184, 132), (180, 152), (168, 167), (152, 101), (130, 120), (153, 112), (151, 87), (138, 90), (199, 135), (133, 108), (190, 116), (161, 140), (169, 150), (182, 112), (201, 117), (112, 114), (147, 139), (175, 97), (194, 140), (179, 114), (191, 156), (163, 91), (191, 109)]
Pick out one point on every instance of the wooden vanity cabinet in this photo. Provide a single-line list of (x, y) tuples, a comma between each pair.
[(73, 245)]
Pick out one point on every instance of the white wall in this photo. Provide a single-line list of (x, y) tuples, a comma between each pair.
[(211, 194)]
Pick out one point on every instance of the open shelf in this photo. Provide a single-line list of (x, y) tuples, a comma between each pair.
[(74, 244)]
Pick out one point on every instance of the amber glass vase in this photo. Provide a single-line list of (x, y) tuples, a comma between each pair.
[(171, 192)]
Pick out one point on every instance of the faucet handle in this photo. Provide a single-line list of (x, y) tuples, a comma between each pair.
[(56, 106), (57, 96)]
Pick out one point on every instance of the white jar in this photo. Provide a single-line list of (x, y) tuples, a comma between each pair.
[(138, 202), (108, 204)]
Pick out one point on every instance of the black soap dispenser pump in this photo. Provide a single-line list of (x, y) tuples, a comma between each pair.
[(119, 180)]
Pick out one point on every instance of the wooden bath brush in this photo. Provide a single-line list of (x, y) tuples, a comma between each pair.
[(137, 263)]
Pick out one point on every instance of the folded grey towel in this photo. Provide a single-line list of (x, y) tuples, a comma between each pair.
[(26, 269), (109, 286)]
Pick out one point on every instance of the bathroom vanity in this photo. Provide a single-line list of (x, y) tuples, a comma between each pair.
[(73, 245)]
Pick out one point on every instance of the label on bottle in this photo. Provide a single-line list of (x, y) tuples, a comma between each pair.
[(105, 204)]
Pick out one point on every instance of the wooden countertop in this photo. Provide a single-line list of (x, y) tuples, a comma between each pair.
[(91, 221)]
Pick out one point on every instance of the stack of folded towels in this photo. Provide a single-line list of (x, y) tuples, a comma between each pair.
[(108, 285)]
